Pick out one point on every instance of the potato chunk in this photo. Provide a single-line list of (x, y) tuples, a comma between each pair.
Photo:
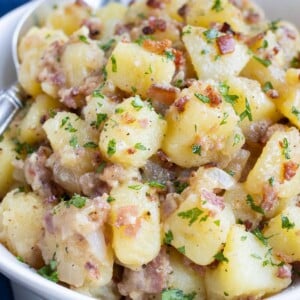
[(21, 225), (206, 58), (278, 164), (248, 269), (135, 224), (145, 68), (132, 134), (283, 231), (192, 140), (7, 155)]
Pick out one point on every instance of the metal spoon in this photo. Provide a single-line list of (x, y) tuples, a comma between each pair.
[(11, 99)]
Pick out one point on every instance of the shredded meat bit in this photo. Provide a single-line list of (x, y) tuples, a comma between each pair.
[(154, 3), (270, 199), (214, 97), (284, 271), (180, 103), (151, 279), (212, 200), (163, 93), (289, 170), (157, 47), (226, 44)]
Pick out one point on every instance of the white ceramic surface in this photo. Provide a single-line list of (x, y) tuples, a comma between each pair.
[(21, 274)]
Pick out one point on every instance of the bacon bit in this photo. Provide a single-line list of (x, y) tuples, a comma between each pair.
[(214, 97), (127, 118), (163, 93), (164, 159), (284, 271), (123, 28), (248, 225), (131, 151), (157, 24), (252, 17), (272, 94), (213, 199), (94, 26), (226, 28), (290, 33), (147, 30), (270, 199), (289, 170), (49, 226), (182, 11), (157, 47), (144, 123), (179, 58), (226, 43), (253, 40), (93, 270), (154, 3), (180, 103)]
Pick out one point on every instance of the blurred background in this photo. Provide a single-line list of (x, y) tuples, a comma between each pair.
[(6, 6)]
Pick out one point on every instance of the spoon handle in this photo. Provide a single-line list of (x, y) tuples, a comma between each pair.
[(10, 103)]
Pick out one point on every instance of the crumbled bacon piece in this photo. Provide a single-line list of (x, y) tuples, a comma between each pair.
[(214, 97), (154, 3), (180, 103), (179, 57), (270, 199), (272, 93), (213, 199), (284, 271), (147, 30), (157, 47), (163, 93), (92, 269), (289, 170), (248, 225), (226, 28), (183, 10), (94, 26), (226, 43), (157, 24)]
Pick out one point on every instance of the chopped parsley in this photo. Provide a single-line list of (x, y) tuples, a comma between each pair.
[(168, 237), (90, 145), (140, 146), (175, 294), (271, 181), (105, 47), (180, 186), (202, 98), (258, 234), (285, 148), (224, 90), (273, 25), (77, 201), (264, 45), (114, 66), (135, 187), (49, 271), (100, 119), (110, 199), (74, 141), (296, 112), (295, 62), (187, 30), (97, 94), (265, 62), (20, 259), (119, 110), (1, 137), (156, 184), (267, 87), (217, 6), (101, 167), (83, 39), (191, 215), (236, 139), (225, 117), (143, 38), (23, 148), (286, 223), (181, 249), (253, 206), (137, 103), (211, 34), (111, 147), (197, 149), (169, 55), (247, 112), (220, 257)]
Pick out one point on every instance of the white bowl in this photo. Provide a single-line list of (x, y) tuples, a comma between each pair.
[(21, 274)]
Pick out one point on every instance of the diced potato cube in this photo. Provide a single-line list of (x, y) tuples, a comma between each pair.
[(132, 67), (7, 155), (206, 58), (261, 111), (191, 140), (248, 269), (31, 130), (21, 227), (205, 12), (278, 164), (132, 134), (198, 233), (283, 231), (135, 224)]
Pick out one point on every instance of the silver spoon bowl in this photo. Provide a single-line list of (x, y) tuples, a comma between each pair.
[(11, 99)]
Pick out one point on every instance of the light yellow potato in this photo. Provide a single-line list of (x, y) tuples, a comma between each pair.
[(191, 140), (21, 225), (69, 137), (283, 147), (76, 238), (7, 155), (68, 18), (202, 13), (145, 68), (132, 134), (31, 130), (135, 224), (283, 231), (30, 52), (248, 271), (111, 15), (262, 110), (202, 235), (184, 278), (206, 58)]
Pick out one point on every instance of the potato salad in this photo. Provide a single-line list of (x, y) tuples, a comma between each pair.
[(157, 155)]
